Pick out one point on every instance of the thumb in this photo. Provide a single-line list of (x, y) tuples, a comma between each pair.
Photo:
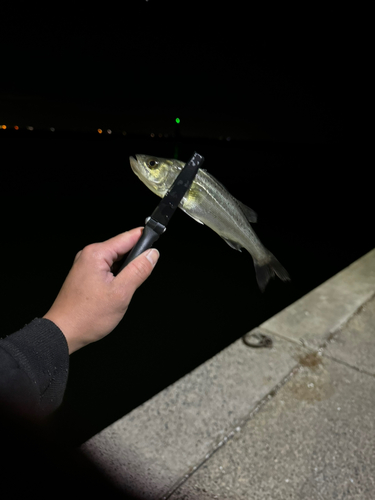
[(138, 270)]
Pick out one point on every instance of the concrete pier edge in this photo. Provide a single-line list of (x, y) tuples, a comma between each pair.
[(158, 448)]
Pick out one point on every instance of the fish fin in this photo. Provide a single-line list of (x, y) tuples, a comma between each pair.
[(197, 220), (249, 213), (267, 270), (233, 244)]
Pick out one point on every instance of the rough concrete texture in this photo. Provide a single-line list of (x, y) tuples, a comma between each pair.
[(156, 444), (314, 440), (313, 318), (287, 422), (354, 343)]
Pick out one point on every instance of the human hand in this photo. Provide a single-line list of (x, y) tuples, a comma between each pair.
[(92, 301)]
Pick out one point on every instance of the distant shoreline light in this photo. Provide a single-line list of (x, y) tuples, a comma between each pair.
[(104, 131)]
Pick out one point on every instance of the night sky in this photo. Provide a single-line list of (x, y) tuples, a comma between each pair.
[(290, 73), (286, 87)]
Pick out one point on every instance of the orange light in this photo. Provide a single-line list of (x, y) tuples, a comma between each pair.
[(16, 127), (100, 130), (3, 127)]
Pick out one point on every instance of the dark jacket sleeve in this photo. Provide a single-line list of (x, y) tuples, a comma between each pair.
[(34, 365)]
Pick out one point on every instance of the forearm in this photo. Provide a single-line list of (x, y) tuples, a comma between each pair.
[(92, 301), (34, 365)]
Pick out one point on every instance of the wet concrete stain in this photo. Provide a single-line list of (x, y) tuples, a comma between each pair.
[(313, 382), (311, 360)]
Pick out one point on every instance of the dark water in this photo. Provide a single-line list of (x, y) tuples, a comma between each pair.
[(60, 192)]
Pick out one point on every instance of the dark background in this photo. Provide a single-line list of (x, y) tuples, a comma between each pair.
[(274, 103)]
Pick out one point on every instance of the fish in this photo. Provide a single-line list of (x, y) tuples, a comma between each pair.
[(209, 202)]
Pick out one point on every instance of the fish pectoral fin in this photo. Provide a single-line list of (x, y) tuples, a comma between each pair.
[(249, 213), (233, 244), (197, 220)]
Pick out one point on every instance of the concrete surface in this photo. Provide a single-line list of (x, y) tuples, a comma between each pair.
[(295, 421), (354, 343), (316, 316), (315, 439)]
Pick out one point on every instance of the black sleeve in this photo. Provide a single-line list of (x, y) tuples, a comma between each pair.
[(34, 365), (34, 458)]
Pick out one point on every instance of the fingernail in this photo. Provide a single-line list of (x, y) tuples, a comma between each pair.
[(153, 256)]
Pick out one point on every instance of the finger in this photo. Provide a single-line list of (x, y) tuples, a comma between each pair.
[(138, 270), (115, 248), (77, 256)]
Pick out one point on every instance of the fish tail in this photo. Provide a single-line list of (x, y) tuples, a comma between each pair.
[(266, 270)]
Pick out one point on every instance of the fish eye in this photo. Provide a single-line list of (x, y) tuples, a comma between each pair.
[(153, 163)]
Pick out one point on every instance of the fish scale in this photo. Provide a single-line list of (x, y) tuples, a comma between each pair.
[(217, 202)]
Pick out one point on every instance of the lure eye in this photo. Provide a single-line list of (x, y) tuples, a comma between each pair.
[(153, 164)]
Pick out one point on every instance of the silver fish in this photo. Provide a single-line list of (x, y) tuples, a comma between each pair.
[(208, 202)]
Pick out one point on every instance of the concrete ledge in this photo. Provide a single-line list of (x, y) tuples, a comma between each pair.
[(315, 317), (156, 447), (157, 444), (314, 440)]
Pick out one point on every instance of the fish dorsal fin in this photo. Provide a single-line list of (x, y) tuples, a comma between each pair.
[(233, 244), (249, 213), (197, 220)]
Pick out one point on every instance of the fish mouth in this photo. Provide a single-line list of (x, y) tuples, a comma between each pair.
[(135, 159), (137, 166), (134, 164)]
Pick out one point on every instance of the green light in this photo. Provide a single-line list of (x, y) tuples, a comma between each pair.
[(178, 120)]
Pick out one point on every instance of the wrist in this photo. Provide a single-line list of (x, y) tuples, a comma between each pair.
[(67, 330)]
